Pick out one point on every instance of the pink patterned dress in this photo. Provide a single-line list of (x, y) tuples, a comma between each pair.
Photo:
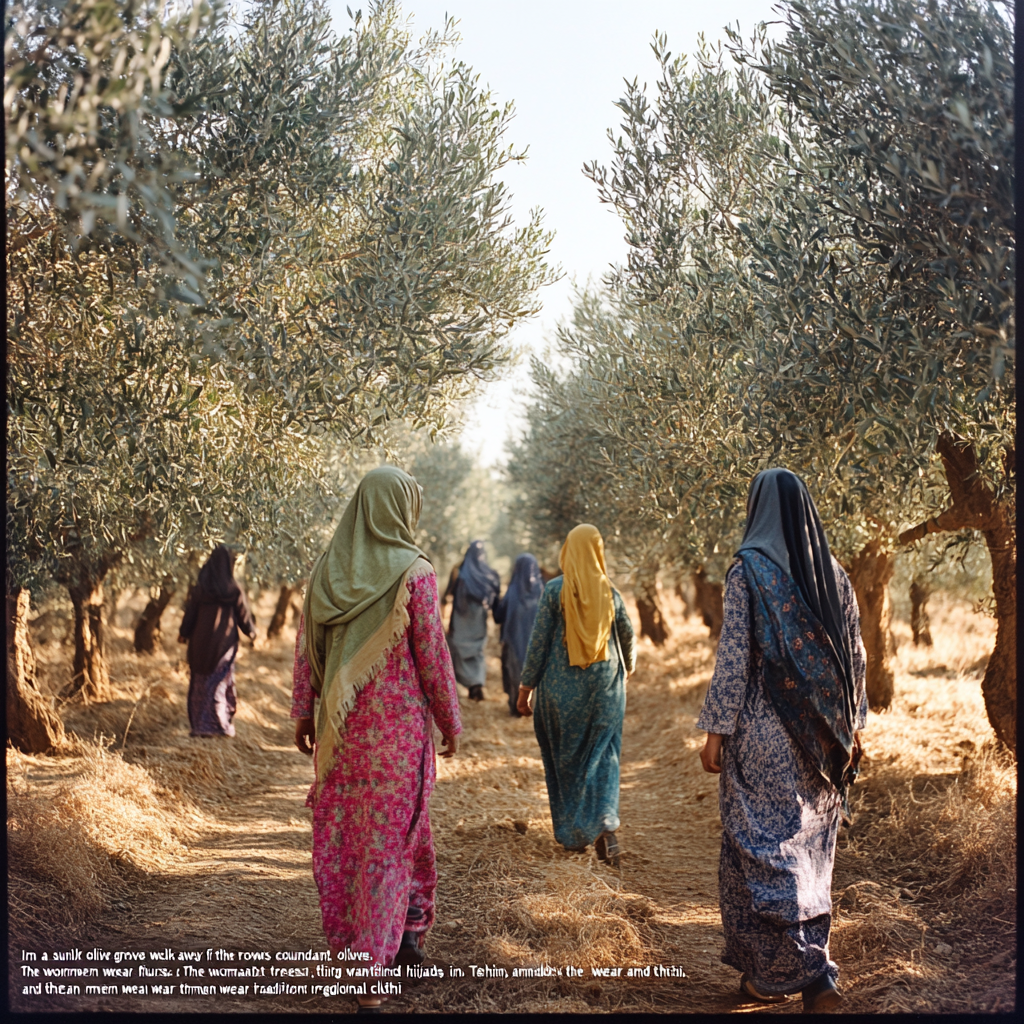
[(373, 852)]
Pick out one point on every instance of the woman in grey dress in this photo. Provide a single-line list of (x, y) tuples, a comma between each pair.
[(783, 714), (474, 588)]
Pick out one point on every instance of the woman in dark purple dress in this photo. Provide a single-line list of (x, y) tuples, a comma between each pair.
[(215, 610)]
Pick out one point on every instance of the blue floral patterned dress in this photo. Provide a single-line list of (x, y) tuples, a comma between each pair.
[(780, 818), (577, 716)]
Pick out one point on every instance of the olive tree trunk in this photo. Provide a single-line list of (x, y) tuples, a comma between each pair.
[(652, 621), (33, 725), (975, 507), (284, 600), (708, 599), (147, 629), (684, 591), (90, 678), (919, 622), (870, 572)]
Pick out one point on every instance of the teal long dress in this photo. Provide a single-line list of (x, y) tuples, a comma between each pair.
[(577, 716)]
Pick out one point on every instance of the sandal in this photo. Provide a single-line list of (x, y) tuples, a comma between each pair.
[(821, 996), (606, 846), (750, 993), (476, 693)]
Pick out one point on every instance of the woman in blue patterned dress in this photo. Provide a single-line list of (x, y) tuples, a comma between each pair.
[(580, 651), (783, 714)]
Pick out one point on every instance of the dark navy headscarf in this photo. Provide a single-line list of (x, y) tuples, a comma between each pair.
[(798, 621), (477, 580), (517, 610)]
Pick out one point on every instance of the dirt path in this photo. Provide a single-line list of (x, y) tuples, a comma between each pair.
[(241, 878)]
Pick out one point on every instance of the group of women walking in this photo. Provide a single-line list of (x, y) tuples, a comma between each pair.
[(375, 668)]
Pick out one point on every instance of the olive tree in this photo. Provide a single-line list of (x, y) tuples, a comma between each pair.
[(910, 112), (766, 314), (324, 240)]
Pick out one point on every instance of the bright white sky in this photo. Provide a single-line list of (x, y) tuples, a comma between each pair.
[(563, 62)]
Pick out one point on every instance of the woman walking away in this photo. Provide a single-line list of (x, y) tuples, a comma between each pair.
[(214, 611), (474, 587), (580, 652), (783, 714), (371, 647), (515, 613)]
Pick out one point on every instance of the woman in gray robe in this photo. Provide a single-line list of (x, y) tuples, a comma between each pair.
[(474, 588), (783, 714)]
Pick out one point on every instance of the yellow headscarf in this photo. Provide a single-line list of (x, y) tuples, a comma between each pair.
[(587, 605)]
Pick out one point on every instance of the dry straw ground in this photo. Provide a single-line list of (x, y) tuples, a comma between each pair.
[(143, 837)]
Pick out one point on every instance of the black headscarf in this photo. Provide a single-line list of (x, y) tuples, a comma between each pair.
[(216, 578), (784, 525), (476, 578)]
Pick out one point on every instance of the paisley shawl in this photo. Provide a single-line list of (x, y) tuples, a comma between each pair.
[(802, 674)]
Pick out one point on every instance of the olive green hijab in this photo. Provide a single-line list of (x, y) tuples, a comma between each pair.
[(355, 607)]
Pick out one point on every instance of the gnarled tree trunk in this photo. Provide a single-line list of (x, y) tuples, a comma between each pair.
[(708, 598), (975, 507), (919, 624), (90, 678), (684, 593), (999, 686), (284, 600), (147, 629), (870, 572), (32, 724), (652, 621)]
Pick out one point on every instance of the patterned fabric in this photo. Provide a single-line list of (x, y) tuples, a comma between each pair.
[(802, 674), (783, 524), (212, 699), (373, 852), (577, 717), (780, 818)]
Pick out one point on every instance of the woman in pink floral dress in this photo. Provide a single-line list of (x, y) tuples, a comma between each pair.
[(372, 663)]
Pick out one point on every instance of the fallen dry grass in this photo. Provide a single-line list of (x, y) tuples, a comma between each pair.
[(81, 829), (144, 836), (925, 884)]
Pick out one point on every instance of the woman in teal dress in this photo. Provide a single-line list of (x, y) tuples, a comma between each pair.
[(580, 652)]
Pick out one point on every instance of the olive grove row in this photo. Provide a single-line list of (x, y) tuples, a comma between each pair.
[(820, 274), (238, 248)]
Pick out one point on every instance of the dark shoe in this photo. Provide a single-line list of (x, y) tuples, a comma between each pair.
[(749, 994), (606, 846), (411, 953), (821, 996), (576, 849), (476, 693)]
